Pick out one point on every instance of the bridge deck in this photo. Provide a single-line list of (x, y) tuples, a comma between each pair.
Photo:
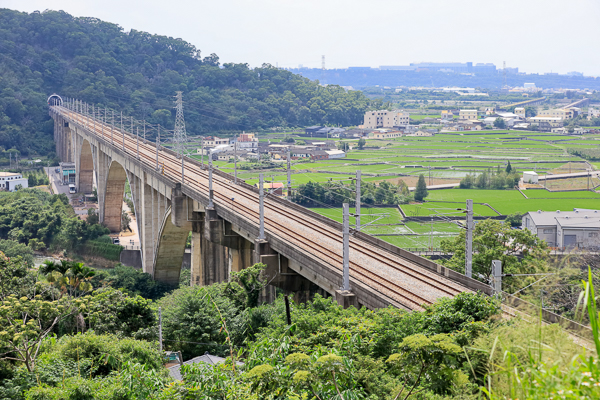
[(403, 281)]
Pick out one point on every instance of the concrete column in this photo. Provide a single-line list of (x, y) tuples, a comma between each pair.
[(197, 267), (240, 256), (112, 204), (103, 166), (84, 166), (145, 216)]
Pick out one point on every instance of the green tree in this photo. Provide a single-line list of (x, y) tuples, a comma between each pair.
[(26, 323), (499, 123), (361, 143), (494, 240), (514, 220), (508, 167), (111, 311), (432, 359), (421, 189), (31, 180)]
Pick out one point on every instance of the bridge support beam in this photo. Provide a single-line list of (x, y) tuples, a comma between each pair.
[(84, 166), (216, 249)]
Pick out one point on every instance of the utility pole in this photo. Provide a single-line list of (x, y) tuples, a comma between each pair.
[(469, 239), (122, 131), (261, 208), (497, 276), (346, 248), (289, 174), (202, 150), (157, 144), (210, 188), (235, 144), (357, 207), (137, 140), (94, 118), (112, 127), (160, 329)]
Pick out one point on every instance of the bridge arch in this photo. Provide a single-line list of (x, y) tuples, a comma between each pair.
[(113, 196), (170, 250), (55, 100), (86, 168)]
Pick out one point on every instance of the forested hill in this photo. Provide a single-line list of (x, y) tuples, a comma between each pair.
[(96, 61)]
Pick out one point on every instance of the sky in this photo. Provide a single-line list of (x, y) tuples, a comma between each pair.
[(536, 36)]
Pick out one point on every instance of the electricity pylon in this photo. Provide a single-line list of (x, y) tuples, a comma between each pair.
[(179, 136)]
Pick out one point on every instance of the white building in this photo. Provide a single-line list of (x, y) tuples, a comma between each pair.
[(579, 228), (210, 142), (467, 114), (446, 115), (530, 177), (520, 111), (247, 141), (335, 154), (385, 119), (10, 180)]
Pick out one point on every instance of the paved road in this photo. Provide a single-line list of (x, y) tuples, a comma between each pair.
[(434, 187)]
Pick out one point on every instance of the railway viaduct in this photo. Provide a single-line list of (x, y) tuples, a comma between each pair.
[(302, 249)]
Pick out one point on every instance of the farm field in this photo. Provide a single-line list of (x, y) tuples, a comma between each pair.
[(512, 201), (447, 158)]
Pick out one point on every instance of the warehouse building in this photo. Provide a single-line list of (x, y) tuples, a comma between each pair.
[(579, 228)]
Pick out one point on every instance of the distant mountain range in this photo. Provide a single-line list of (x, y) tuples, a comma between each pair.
[(440, 75)]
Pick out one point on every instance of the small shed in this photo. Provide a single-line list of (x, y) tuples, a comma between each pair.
[(275, 188), (530, 177)]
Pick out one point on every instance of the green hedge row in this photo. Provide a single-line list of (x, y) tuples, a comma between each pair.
[(101, 249)]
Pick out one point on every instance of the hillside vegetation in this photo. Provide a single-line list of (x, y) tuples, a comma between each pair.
[(137, 72)]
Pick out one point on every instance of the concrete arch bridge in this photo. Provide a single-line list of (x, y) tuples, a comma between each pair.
[(302, 249)]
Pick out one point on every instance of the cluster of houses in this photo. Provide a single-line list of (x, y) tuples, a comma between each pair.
[(246, 147), (549, 120), (384, 124)]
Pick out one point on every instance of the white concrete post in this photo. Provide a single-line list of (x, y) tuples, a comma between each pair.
[(469, 240), (122, 131), (157, 144), (346, 248), (261, 208), (235, 144), (357, 210), (289, 174), (210, 187), (497, 276)]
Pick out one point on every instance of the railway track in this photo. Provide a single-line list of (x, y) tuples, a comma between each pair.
[(387, 273)]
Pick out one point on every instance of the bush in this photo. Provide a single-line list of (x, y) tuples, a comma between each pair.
[(111, 311), (99, 355), (192, 320), (12, 248), (97, 248), (134, 281)]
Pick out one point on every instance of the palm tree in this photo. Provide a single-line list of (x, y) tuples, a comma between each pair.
[(68, 276)]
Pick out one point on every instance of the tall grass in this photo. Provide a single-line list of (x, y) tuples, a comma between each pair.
[(536, 371)]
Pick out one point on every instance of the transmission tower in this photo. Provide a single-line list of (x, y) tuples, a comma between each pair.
[(179, 136)]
